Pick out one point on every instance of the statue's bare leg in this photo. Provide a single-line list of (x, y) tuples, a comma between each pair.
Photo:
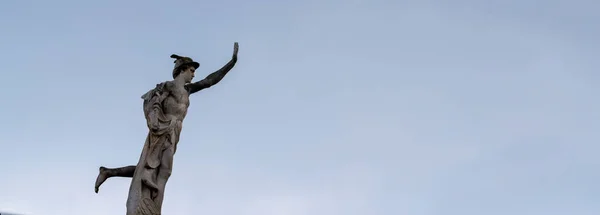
[(105, 173)]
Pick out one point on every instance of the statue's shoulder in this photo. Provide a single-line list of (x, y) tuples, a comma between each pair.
[(160, 88)]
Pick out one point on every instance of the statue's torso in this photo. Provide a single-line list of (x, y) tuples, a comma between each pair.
[(160, 147), (177, 102)]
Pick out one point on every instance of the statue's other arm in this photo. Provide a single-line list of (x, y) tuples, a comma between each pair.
[(216, 76), (153, 109)]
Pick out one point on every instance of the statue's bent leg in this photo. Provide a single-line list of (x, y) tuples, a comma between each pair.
[(165, 170), (105, 173)]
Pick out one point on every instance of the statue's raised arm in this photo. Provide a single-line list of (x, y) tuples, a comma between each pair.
[(216, 76)]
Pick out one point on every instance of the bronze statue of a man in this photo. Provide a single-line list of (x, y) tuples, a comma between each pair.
[(165, 108)]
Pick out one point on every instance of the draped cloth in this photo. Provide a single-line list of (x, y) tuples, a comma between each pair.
[(156, 161)]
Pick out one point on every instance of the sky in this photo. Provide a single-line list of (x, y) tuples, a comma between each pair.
[(381, 107)]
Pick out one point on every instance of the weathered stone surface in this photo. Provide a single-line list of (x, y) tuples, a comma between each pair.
[(165, 108)]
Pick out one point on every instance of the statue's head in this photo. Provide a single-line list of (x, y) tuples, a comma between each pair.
[(184, 66)]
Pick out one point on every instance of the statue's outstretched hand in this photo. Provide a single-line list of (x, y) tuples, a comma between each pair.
[(235, 49)]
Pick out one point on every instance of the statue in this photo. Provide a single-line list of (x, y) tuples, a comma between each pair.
[(165, 108)]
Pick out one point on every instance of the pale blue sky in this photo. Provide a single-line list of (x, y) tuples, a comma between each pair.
[(431, 107)]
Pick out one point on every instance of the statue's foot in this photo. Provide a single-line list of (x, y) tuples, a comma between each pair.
[(102, 176)]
